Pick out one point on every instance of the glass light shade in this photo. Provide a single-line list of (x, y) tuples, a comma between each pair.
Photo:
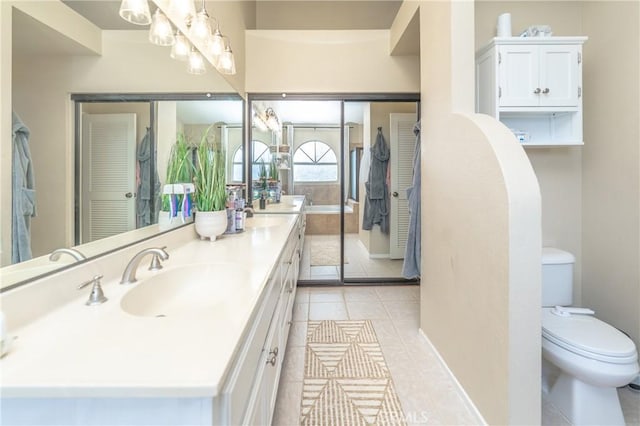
[(161, 32), (259, 122), (135, 11), (195, 65), (181, 48), (200, 27), (226, 62), (216, 46), (272, 120), (182, 9)]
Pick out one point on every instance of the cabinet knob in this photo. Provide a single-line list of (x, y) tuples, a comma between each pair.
[(545, 91), (273, 355), (537, 91)]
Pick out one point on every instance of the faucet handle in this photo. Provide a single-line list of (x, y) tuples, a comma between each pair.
[(156, 265), (96, 297)]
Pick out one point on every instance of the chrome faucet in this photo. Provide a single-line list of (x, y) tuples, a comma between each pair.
[(129, 275), (71, 252)]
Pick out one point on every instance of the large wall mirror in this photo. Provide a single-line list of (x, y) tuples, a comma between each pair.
[(122, 146)]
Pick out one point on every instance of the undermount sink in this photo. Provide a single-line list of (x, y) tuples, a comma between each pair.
[(259, 221), (189, 290)]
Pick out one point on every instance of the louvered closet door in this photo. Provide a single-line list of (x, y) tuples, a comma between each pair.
[(402, 146), (108, 175)]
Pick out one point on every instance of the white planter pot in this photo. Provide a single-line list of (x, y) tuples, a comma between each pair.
[(211, 224)]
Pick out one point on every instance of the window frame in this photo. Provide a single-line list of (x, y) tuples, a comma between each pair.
[(315, 162)]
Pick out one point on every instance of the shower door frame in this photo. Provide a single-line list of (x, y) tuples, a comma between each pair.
[(343, 98)]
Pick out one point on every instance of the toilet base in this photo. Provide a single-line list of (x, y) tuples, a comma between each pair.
[(584, 404)]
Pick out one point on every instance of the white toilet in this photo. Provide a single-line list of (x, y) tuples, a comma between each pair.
[(593, 357)]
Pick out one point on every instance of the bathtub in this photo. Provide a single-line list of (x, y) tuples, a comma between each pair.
[(327, 209), (324, 219)]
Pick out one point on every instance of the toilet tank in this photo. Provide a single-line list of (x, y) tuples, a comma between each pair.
[(557, 277)]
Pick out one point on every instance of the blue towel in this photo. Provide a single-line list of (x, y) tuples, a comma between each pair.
[(23, 192), (376, 202), (146, 197), (412, 254)]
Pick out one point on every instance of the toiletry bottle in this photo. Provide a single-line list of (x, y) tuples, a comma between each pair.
[(239, 220), (263, 202), (231, 221)]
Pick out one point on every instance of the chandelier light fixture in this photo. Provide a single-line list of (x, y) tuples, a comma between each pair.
[(184, 10), (135, 11), (181, 48), (195, 63), (200, 28), (266, 120), (161, 32), (206, 43), (217, 44), (226, 62)]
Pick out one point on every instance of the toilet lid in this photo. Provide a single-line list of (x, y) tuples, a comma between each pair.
[(588, 336)]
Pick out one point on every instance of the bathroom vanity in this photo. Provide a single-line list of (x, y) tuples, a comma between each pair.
[(199, 342)]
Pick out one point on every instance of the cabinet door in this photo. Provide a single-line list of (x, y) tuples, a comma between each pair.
[(559, 71), (518, 76)]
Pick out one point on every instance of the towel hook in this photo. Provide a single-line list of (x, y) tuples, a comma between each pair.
[(380, 129)]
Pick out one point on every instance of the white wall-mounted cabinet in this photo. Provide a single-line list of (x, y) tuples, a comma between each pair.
[(534, 86)]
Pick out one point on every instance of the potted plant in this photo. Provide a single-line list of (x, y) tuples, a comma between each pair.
[(179, 170), (274, 179), (211, 193)]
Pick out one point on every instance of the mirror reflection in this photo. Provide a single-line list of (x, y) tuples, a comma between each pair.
[(122, 151)]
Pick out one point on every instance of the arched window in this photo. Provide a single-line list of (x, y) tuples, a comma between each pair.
[(315, 161), (260, 153)]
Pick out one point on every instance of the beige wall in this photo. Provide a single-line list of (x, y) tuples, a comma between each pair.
[(481, 231), (327, 61), (591, 194), (611, 164), (558, 169)]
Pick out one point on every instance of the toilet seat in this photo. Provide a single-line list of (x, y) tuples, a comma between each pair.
[(589, 337)]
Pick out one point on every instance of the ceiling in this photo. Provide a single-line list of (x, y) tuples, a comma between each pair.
[(103, 13), (271, 14)]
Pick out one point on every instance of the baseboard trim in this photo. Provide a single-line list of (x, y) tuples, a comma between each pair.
[(461, 390)]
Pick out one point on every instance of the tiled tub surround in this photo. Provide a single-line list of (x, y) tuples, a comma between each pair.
[(324, 219), (75, 364)]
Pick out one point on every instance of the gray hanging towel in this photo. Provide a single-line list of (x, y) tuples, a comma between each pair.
[(376, 203), (23, 192), (412, 254), (146, 196)]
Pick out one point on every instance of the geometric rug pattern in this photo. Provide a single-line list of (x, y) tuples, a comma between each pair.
[(346, 380)]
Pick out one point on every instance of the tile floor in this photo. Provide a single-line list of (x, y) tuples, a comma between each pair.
[(359, 264), (429, 395)]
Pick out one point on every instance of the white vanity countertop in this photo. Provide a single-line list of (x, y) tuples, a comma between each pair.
[(103, 351), (287, 204)]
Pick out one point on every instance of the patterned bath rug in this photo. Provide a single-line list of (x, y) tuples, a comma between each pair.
[(346, 379), (325, 252)]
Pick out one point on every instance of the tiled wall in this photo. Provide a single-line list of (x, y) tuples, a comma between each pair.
[(319, 193)]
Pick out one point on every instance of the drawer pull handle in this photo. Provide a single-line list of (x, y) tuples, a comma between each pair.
[(273, 355), (537, 91)]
